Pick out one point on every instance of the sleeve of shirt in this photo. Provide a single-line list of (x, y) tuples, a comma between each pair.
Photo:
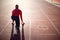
[(21, 15), (12, 13)]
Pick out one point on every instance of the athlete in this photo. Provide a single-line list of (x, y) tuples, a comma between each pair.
[(16, 16)]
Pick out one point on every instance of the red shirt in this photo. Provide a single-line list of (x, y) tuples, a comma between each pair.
[(17, 12)]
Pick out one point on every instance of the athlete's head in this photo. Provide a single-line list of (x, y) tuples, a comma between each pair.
[(16, 6)]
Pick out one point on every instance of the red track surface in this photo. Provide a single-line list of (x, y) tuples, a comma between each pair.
[(56, 0)]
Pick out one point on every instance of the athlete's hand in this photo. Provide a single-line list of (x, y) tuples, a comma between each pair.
[(23, 23)]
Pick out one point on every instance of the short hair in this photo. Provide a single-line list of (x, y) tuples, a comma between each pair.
[(16, 6)]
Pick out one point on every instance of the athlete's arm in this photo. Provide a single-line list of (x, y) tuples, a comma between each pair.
[(21, 16)]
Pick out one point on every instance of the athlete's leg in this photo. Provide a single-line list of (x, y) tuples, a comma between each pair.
[(13, 18), (17, 23)]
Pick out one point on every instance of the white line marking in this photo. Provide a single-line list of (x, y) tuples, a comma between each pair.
[(30, 29), (4, 27), (48, 34), (51, 2), (50, 21)]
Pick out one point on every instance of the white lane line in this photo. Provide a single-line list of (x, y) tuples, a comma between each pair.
[(50, 21), (4, 28), (53, 3), (30, 29), (48, 34)]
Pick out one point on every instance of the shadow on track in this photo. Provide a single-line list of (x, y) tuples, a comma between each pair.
[(23, 37), (17, 36)]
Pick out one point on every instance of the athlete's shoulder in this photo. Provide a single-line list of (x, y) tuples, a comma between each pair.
[(19, 9), (13, 9)]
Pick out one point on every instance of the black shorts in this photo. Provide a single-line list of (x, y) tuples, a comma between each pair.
[(16, 19)]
